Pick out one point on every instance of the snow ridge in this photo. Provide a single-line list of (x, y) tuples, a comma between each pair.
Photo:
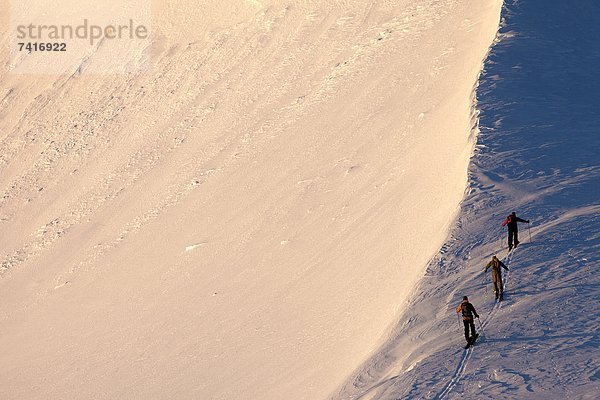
[(536, 154), (238, 207)]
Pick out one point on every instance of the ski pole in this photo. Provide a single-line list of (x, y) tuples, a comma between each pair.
[(458, 317), (485, 283), (480, 325), (529, 228)]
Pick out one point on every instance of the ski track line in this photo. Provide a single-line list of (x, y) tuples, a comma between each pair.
[(462, 364)]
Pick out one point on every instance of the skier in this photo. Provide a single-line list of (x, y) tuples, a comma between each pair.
[(468, 312), (496, 264), (513, 229)]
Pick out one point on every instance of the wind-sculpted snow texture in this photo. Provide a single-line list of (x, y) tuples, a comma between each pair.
[(537, 154), (244, 217)]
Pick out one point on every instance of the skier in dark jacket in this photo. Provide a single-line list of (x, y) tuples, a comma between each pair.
[(468, 315), (513, 230), (495, 264)]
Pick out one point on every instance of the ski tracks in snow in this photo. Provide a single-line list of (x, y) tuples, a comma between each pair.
[(466, 356), (460, 369)]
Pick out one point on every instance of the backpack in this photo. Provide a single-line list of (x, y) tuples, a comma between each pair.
[(466, 310)]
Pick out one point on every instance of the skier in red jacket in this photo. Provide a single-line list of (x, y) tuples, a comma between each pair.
[(513, 230)]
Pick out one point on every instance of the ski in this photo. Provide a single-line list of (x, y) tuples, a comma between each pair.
[(472, 341)]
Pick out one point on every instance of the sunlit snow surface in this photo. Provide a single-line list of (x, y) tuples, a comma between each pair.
[(537, 154), (245, 216)]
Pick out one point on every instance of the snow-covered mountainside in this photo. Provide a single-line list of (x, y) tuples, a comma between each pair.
[(536, 154), (245, 216)]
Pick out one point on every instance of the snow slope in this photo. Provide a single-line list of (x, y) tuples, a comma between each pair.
[(537, 154), (245, 217)]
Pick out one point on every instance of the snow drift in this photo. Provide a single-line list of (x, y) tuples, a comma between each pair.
[(245, 217), (536, 154)]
